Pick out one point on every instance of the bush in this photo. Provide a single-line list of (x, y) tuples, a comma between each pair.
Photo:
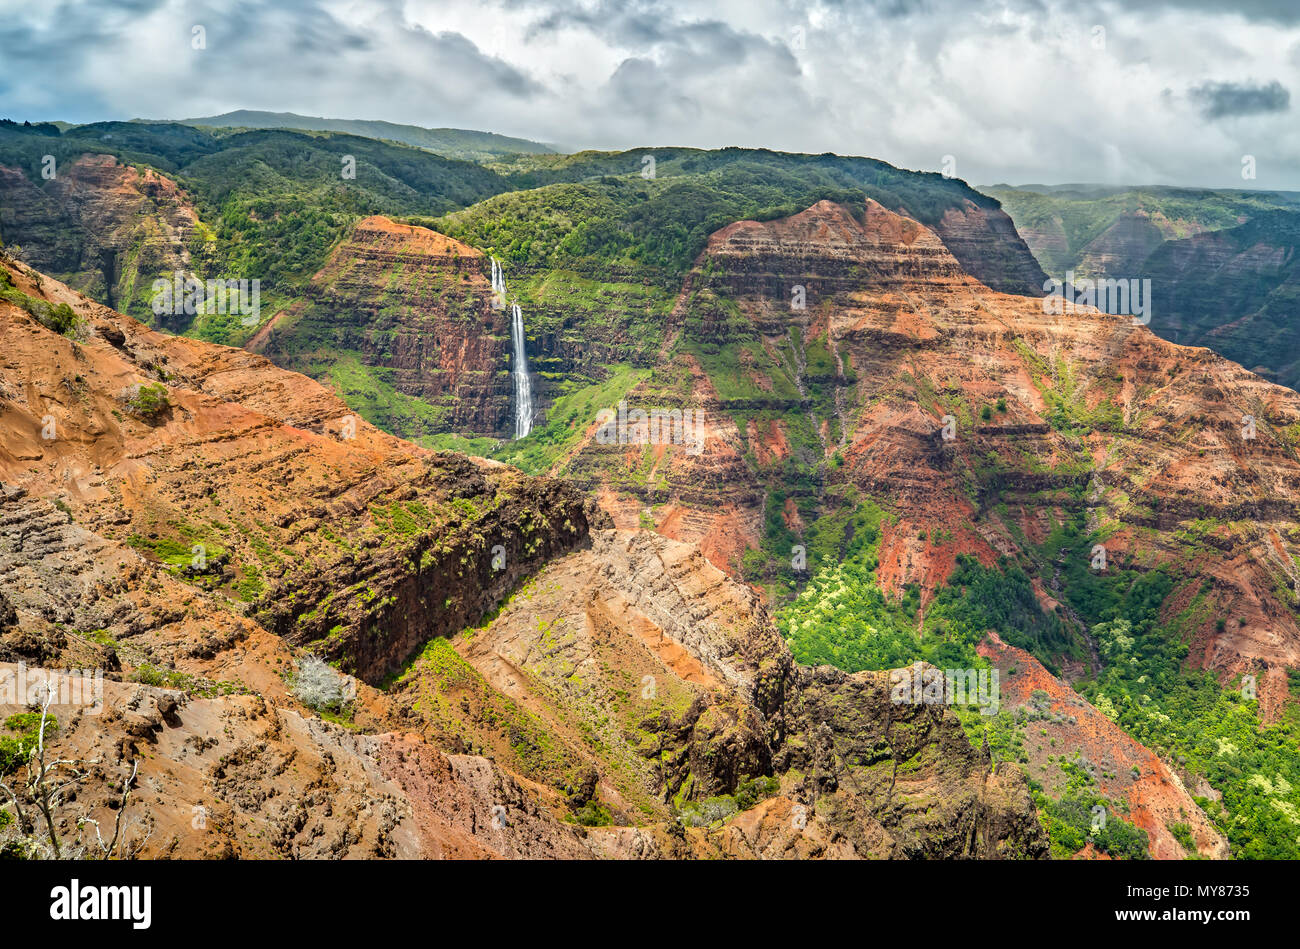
[(61, 319), (58, 317), (14, 750), (594, 815), (1183, 834), (319, 686), (715, 810), (148, 401)]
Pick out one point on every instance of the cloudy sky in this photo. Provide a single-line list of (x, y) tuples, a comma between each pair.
[(1144, 91)]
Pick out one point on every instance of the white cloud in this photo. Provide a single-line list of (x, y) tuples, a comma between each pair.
[(1014, 90)]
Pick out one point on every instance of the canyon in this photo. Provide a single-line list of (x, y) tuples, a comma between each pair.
[(568, 645), (475, 743)]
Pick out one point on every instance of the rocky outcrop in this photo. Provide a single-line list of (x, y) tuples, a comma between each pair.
[(624, 699), (986, 243), (1121, 768), (264, 488), (640, 659), (104, 228), (236, 777), (415, 306)]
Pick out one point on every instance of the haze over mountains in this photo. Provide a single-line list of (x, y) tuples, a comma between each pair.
[(626, 641), (451, 143)]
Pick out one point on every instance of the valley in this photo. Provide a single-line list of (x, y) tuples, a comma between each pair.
[(563, 644)]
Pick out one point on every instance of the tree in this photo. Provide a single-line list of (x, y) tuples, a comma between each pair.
[(43, 792)]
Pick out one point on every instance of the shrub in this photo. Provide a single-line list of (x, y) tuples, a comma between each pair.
[(594, 815), (715, 810), (148, 401), (1183, 834), (321, 687), (14, 750), (60, 318)]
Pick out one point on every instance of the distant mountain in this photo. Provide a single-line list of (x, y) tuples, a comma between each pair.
[(1236, 291), (132, 201), (271, 203), (1222, 263), (1101, 230), (464, 144)]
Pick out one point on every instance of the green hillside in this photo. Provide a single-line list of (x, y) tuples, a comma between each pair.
[(464, 144)]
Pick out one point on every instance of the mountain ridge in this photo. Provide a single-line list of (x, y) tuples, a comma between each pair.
[(450, 142)]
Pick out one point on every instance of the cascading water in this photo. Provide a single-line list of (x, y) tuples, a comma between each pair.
[(523, 387), (498, 286), (519, 363)]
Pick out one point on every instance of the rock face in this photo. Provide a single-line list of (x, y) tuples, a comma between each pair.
[(402, 320), (640, 648), (1122, 767), (192, 549), (1121, 249), (415, 306), (1079, 411), (1236, 291), (237, 777), (268, 487), (985, 241), (104, 228)]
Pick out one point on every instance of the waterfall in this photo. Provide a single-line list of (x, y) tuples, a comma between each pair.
[(523, 388), (498, 286), (519, 364)]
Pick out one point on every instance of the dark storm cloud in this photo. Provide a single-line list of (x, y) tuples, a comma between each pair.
[(1232, 99), (645, 26)]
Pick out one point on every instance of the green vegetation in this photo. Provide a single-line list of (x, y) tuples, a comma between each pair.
[(444, 685), (592, 210), (1072, 822), (841, 617), (58, 317), (463, 144), (1183, 714), (568, 420), (149, 401), (593, 814), (25, 729), (714, 811), (271, 203)]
